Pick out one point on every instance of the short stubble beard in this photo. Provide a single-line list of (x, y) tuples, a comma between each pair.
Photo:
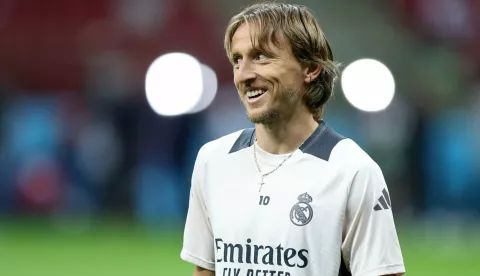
[(272, 116)]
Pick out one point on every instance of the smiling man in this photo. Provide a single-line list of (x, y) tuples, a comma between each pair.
[(291, 196)]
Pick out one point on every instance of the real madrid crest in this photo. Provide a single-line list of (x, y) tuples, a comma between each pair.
[(302, 213)]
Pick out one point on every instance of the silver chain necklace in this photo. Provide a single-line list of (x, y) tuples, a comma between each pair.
[(263, 175)]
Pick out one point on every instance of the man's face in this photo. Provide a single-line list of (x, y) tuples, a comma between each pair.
[(270, 84)]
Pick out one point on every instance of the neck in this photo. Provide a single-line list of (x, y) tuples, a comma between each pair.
[(287, 135)]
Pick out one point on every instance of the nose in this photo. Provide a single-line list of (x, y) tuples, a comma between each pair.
[(245, 73)]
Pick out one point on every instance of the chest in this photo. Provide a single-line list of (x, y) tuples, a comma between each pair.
[(301, 200)]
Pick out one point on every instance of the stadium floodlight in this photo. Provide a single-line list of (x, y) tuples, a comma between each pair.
[(174, 84), (210, 86), (368, 85)]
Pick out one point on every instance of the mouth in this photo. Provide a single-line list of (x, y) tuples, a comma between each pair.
[(253, 95)]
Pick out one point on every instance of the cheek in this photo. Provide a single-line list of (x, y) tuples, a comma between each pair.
[(291, 78), (287, 80), (234, 77), (235, 80)]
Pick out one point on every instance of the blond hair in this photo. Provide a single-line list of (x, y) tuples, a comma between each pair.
[(308, 43)]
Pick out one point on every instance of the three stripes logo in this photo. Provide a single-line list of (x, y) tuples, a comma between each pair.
[(383, 203)]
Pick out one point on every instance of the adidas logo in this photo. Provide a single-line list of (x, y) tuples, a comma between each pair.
[(383, 203)]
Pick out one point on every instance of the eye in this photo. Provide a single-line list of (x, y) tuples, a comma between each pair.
[(261, 57), (236, 60)]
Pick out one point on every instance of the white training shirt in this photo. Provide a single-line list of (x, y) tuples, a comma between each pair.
[(326, 211)]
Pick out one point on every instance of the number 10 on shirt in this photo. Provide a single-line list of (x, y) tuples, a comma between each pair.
[(264, 200)]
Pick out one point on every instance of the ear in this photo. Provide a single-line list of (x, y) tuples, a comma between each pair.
[(311, 71)]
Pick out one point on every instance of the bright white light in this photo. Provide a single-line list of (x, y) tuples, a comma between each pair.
[(368, 85), (174, 84), (210, 86)]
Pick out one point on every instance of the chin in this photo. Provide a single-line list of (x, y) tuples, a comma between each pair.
[(253, 116), (265, 117)]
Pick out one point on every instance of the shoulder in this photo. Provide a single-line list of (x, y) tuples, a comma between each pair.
[(338, 150), (365, 174), (348, 153), (225, 145)]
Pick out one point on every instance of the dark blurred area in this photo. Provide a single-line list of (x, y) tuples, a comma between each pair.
[(78, 139)]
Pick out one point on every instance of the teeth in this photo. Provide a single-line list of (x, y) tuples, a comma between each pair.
[(254, 93)]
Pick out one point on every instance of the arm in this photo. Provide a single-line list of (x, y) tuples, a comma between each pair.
[(199, 271), (370, 246), (198, 247)]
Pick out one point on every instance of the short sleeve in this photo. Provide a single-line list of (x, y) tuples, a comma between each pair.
[(198, 247), (370, 246)]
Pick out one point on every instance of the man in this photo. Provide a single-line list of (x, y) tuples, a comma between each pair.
[(291, 196)]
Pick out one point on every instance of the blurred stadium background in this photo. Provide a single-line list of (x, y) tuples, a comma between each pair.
[(94, 178)]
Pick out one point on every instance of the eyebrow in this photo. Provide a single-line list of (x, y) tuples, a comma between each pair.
[(234, 54)]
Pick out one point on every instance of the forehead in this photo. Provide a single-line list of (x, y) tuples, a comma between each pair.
[(248, 36), (243, 35)]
